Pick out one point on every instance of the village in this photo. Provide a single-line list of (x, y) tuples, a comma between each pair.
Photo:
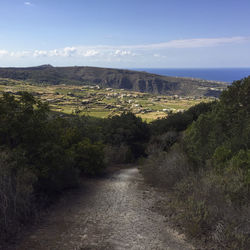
[(100, 102)]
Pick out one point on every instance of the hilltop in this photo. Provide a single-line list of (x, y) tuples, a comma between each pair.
[(115, 78)]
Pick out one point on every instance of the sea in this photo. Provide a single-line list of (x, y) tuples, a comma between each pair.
[(214, 74)]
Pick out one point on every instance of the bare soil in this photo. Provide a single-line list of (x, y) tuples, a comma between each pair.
[(112, 212)]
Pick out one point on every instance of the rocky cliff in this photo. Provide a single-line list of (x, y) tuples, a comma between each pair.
[(115, 78)]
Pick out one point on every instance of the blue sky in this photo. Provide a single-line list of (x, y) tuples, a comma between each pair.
[(125, 33)]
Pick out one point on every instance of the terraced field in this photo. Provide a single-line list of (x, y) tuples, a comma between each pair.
[(102, 102)]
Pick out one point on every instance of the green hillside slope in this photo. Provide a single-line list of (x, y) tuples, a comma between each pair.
[(115, 78)]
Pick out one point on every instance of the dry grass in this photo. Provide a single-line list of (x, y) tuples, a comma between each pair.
[(211, 209), (16, 192), (166, 168)]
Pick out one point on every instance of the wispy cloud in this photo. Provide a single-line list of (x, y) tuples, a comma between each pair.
[(192, 43), (3, 52), (125, 51), (159, 56), (28, 3)]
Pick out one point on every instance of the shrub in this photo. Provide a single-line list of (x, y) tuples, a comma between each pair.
[(117, 154), (212, 198), (180, 121), (162, 142), (195, 217), (16, 194), (166, 168), (208, 206), (43, 155), (88, 157), (128, 130), (221, 157)]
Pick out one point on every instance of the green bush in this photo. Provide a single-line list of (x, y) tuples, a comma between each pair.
[(226, 125), (221, 156), (180, 121), (128, 130), (45, 155), (211, 199), (117, 154), (162, 142), (88, 157)]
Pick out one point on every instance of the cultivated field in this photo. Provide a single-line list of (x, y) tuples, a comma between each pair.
[(98, 102)]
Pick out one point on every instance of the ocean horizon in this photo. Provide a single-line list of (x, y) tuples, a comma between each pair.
[(214, 74)]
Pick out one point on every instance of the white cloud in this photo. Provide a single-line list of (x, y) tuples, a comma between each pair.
[(4, 53), (54, 52), (28, 3), (122, 52), (66, 52), (119, 52), (91, 52), (38, 53), (19, 54), (69, 51)]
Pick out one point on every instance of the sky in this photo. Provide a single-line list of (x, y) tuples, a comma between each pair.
[(125, 33)]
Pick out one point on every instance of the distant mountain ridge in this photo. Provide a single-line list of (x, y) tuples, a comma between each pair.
[(115, 78)]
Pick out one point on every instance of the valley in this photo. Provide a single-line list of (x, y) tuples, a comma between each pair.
[(102, 102)]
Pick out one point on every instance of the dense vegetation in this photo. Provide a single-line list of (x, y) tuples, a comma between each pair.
[(42, 153), (114, 78), (180, 121), (203, 157)]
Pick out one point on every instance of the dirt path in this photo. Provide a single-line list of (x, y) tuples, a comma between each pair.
[(108, 213)]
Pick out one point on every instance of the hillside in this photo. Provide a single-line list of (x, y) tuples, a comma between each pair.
[(115, 78), (201, 158)]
